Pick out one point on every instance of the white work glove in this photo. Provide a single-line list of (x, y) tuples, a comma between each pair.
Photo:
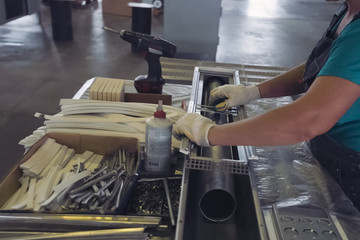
[(195, 127), (233, 95)]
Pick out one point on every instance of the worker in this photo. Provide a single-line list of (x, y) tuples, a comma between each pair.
[(327, 114)]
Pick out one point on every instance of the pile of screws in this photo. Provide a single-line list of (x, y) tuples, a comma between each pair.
[(103, 190), (150, 197)]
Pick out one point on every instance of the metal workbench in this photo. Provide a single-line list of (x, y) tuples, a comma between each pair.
[(291, 187)]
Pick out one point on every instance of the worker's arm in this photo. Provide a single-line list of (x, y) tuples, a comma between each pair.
[(311, 115), (286, 84)]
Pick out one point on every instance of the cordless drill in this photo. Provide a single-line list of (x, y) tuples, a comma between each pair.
[(152, 48)]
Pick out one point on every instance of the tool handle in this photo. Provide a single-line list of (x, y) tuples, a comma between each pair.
[(154, 67)]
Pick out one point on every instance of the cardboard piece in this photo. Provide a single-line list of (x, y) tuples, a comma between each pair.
[(81, 143), (148, 98), (117, 7)]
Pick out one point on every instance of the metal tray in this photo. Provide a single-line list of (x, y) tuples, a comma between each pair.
[(232, 163)]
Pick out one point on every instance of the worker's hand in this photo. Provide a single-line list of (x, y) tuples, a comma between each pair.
[(233, 95), (195, 127)]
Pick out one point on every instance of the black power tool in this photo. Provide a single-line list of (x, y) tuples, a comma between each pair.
[(152, 48)]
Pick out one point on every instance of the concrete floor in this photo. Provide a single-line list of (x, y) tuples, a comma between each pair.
[(37, 72)]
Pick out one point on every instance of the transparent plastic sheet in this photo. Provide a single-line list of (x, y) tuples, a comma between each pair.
[(180, 93), (290, 175)]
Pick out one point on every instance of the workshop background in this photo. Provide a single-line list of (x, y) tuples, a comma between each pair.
[(37, 71)]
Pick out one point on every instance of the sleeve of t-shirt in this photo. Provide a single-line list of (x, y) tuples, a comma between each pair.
[(344, 58)]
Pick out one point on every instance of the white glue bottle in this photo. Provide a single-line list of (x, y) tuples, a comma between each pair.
[(158, 141)]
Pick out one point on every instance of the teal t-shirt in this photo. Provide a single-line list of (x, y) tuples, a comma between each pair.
[(344, 62)]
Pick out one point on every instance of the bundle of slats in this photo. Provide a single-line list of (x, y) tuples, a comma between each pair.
[(133, 109), (106, 118), (102, 118)]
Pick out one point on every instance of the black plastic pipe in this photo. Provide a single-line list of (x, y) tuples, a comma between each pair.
[(217, 202)]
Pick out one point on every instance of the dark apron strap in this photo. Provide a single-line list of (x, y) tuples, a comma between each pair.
[(341, 162), (321, 51)]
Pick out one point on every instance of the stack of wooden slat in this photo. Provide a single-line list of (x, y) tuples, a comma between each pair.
[(107, 89), (48, 173)]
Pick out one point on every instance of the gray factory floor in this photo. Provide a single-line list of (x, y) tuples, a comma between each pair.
[(37, 72)]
